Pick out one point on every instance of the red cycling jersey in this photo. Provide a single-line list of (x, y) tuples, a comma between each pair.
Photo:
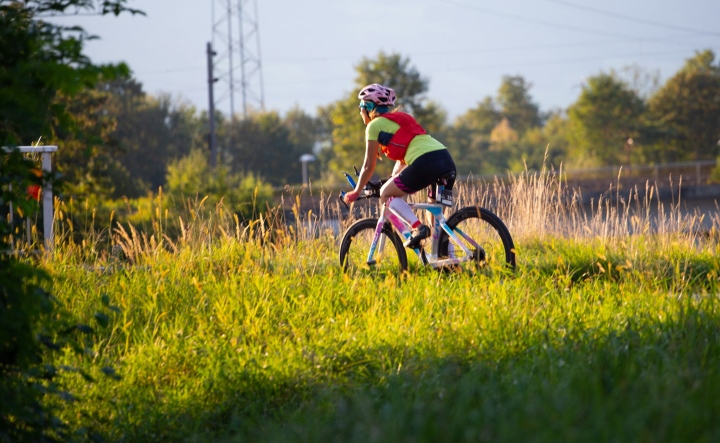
[(397, 146)]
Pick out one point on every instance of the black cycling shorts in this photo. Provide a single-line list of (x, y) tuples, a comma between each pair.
[(425, 171)]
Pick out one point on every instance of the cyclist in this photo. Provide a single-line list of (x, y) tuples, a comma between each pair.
[(420, 160)]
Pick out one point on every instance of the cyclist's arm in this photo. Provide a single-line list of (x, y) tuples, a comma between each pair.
[(368, 168)]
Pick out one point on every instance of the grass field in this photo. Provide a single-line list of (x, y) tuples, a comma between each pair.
[(608, 331)]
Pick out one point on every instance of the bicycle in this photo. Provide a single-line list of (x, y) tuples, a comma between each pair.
[(470, 234)]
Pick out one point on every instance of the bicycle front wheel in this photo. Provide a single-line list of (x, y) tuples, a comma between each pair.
[(483, 233), (355, 246)]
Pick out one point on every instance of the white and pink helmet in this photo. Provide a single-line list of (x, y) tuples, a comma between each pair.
[(378, 94)]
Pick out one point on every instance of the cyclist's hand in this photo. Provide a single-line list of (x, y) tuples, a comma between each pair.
[(351, 196)]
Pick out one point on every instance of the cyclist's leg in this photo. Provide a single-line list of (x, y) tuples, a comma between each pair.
[(391, 189), (423, 172), (393, 192), (392, 195)]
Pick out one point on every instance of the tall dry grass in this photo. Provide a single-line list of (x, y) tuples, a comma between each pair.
[(540, 205), (536, 206)]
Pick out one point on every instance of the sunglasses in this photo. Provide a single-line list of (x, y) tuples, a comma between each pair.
[(368, 106)]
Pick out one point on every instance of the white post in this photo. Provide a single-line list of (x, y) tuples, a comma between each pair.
[(48, 213)]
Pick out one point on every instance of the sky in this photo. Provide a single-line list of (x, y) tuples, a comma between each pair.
[(304, 53)]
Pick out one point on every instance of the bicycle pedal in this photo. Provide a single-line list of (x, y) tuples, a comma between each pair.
[(419, 235)]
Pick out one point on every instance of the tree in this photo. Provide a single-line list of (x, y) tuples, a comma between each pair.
[(303, 129), (516, 104), (150, 133), (545, 146), (434, 119), (503, 145), (483, 118), (469, 141), (347, 136), (645, 83), (606, 115), (347, 129), (687, 109), (261, 144), (40, 61), (46, 91), (487, 137), (305, 134), (191, 176), (396, 72)]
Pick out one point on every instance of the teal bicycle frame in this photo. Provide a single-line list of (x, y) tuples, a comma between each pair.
[(439, 224)]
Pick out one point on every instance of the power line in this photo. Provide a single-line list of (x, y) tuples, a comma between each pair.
[(509, 65), (533, 20), (562, 61), (345, 57), (495, 66), (173, 70), (633, 19), (443, 52), (415, 54), (485, 50), (537, 47)]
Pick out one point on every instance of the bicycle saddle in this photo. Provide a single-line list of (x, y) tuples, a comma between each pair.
[(447, 180)]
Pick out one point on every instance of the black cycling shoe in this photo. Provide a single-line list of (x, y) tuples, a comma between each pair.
[(422, 232)]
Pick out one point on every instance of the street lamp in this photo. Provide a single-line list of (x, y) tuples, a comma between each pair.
[(305, 159)]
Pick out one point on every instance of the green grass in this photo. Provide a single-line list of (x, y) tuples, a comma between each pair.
[(609, 331), (239, 341)]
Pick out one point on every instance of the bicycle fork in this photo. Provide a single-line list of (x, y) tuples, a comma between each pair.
[(378, 243)]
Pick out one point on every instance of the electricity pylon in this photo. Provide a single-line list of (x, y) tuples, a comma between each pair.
[(237, 64)]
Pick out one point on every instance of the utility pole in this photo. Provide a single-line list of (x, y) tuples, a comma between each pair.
[(212, 139)]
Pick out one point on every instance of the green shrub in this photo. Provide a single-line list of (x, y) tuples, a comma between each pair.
[(192, 177)]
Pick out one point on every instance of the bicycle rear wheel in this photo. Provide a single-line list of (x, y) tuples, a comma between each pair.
[(485, 235), (389, 255)]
